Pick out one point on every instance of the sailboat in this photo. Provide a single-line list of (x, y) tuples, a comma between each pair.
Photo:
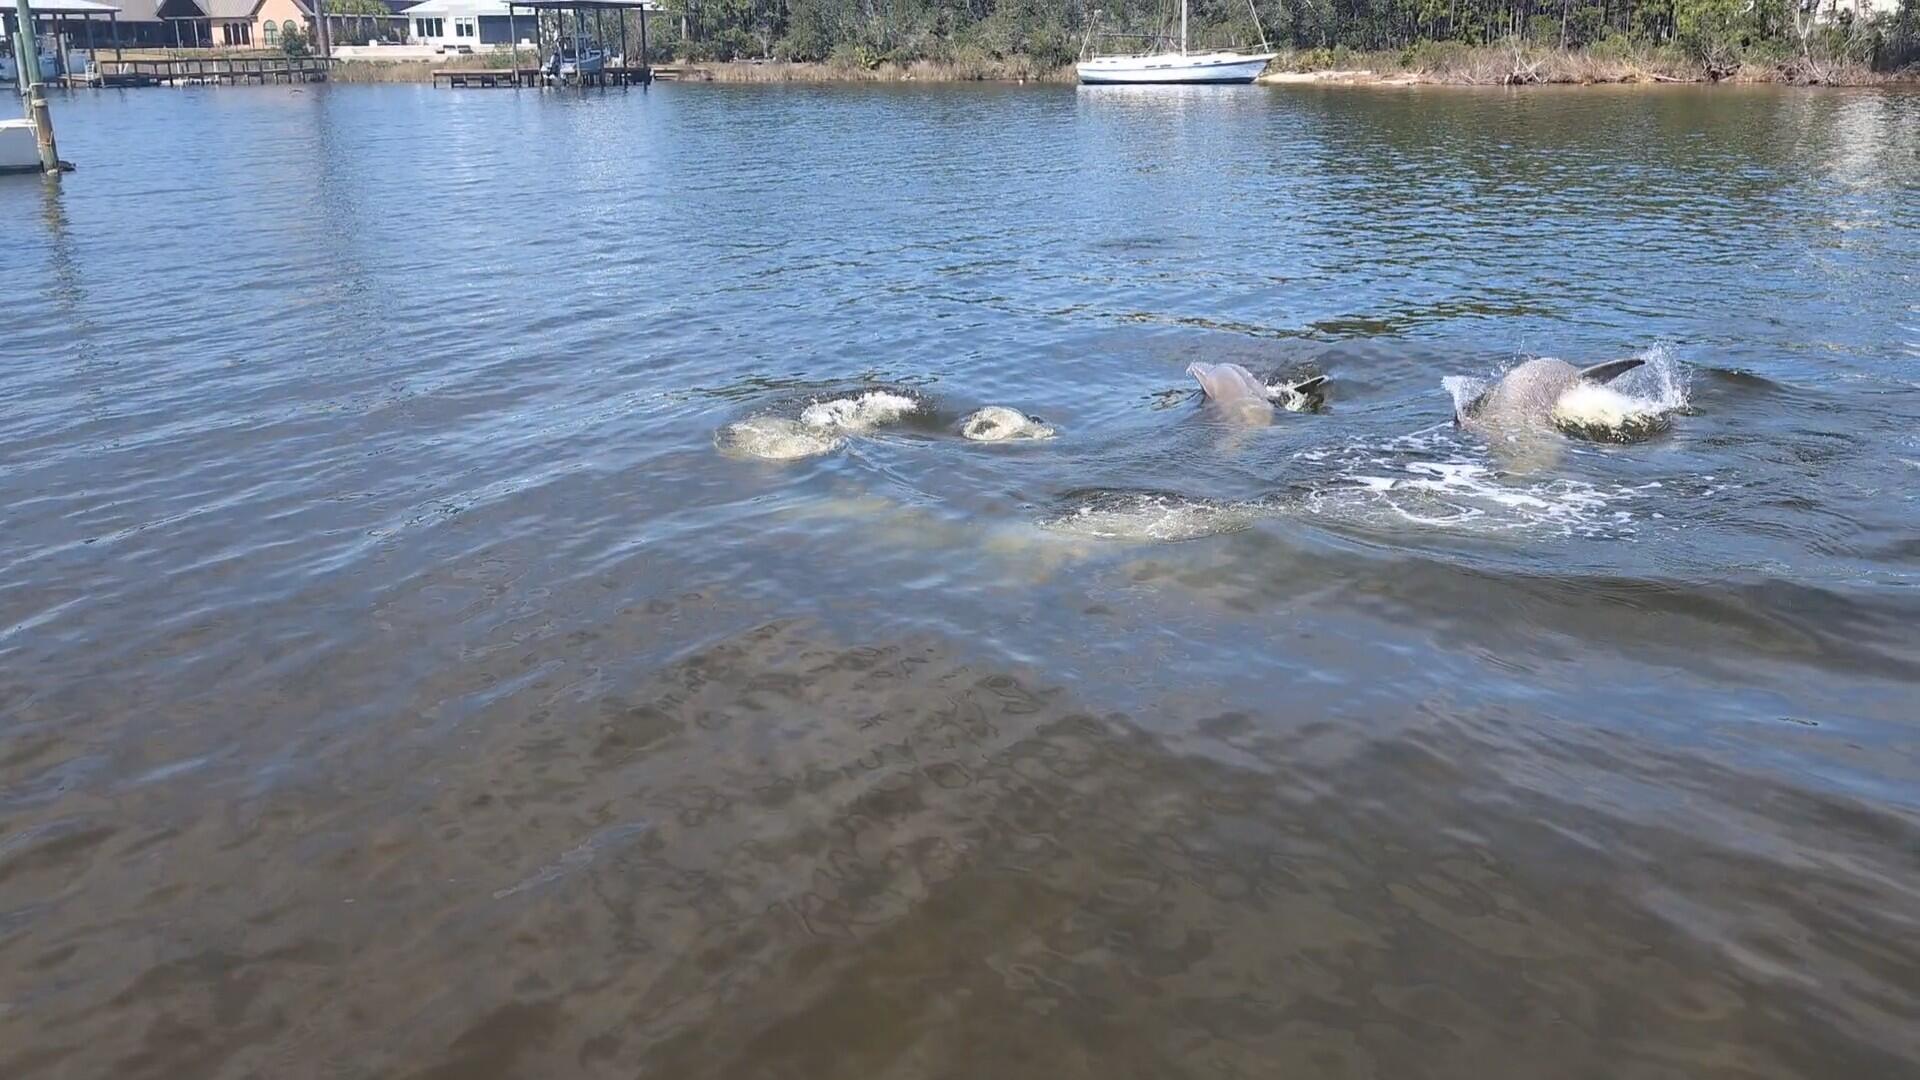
[(1220, 66)]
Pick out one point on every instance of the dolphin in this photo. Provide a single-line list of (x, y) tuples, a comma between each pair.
[(997, 423), (1528, 395), (1236, 390)]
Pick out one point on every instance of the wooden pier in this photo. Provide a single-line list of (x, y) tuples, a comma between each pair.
[(210, 71), (533, 76)]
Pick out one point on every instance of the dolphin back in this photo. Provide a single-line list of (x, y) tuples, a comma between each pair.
[(1229, 384)]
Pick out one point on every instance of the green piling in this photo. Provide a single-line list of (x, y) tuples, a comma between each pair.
[(34, 89)]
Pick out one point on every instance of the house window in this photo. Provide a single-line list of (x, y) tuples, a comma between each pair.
[(287, 27), (429, 28), (463, 28), (269, 33), (236, 33)]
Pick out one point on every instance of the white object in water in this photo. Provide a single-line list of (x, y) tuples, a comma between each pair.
[(775, 438), (997, 423), (1598, 410), (19, 150), (859, 414), (1168, 66)]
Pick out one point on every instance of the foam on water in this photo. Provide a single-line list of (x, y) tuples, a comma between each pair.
[(776, 438), (997, 423), (1149, 516), (1431, 480), (822, 426)]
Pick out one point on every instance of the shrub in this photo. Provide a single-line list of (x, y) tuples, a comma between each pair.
[(1050, 48), (1436, 56), (853, 56), (802, 46), (1712, 32), (1618, 48)]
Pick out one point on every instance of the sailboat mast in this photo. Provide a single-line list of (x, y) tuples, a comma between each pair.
[(1183, 27)]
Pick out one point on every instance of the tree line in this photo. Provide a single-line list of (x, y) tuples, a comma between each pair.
[(1716, 33)]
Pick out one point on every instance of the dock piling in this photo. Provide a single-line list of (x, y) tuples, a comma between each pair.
[(33, 86)]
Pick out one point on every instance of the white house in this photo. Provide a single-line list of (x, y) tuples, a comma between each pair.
[(476, 23)]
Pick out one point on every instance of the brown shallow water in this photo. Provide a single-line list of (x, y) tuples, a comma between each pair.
[(398, 680)]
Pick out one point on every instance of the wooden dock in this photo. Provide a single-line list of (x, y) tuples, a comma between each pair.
[(223, 71), (533, 76)]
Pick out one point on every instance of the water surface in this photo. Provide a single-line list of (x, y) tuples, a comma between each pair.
[(402, 673)]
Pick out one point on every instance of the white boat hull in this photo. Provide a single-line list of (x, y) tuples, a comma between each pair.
[(1220, 67), (591, 64), (19, 149)]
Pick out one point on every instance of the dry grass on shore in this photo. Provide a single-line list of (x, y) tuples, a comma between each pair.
[(419, 71), (1508, 63), (1516, 63), (390, 71), (1015, 69)]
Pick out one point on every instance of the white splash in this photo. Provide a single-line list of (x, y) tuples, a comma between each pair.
[(1640, 402), (1289, 396), (822, 427), (1465, 390), (859, 414), (997, 423)]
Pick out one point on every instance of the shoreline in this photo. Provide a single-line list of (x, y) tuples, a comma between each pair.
[(1490, 66), (1467, 67)]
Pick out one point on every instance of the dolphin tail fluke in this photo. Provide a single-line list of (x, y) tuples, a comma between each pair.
[(1309, 386), (1610, 370)]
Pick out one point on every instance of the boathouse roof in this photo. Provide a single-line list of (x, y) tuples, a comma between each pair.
[(568, 5), (74, 7)]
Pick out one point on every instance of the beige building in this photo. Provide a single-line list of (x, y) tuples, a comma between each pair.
[(263, 24)]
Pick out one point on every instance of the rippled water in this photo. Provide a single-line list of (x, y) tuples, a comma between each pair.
[(405, 670)]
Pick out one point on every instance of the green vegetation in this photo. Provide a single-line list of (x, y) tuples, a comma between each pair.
[(361, 20), (1798, 40)]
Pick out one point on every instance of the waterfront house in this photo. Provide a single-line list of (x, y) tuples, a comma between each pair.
[(255, 24), (226, 24), (476, 23)]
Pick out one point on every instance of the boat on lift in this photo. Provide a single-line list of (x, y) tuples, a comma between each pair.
[(576, 58)]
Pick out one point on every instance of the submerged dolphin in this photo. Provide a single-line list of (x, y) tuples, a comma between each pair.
[(997, 423), (1529, 394)]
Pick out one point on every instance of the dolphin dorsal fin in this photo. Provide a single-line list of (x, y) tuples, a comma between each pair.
[(1610, 370)]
